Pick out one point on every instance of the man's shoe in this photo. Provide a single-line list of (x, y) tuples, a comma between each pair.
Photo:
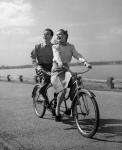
[(58, 118)]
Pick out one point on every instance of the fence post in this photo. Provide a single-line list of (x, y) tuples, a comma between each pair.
[(9, 77), (110, 83), (21, 78)]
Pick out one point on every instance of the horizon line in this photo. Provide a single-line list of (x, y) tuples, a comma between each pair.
[(71, 64)]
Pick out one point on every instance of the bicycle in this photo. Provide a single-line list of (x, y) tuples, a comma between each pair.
[(84, 108)]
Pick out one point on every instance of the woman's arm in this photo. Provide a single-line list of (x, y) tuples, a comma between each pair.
[(79, 57), (56, 56)]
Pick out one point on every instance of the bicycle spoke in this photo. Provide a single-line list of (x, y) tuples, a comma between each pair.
[(39, 104), (86, 115)]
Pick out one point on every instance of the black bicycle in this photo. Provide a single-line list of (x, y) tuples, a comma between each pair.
[(83, 108)]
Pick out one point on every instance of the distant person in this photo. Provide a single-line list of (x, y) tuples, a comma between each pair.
[(42, 55), (62, 55)]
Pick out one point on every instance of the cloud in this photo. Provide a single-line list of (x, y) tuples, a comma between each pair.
[(15, 14), (14, 31), (116, 31)]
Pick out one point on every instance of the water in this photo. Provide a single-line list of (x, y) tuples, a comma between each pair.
[(97, 72)]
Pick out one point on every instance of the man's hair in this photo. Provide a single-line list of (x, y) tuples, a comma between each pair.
[(51, 31)]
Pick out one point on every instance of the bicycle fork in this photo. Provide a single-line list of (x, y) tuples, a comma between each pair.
[(84, 109)]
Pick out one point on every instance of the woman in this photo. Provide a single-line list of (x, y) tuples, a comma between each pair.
[(62, 55)]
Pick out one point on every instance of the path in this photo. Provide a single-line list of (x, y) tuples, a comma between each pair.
[(20, 129)]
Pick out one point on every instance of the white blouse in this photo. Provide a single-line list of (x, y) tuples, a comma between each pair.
[(63, 53)]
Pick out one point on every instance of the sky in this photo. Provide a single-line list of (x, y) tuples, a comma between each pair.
[(94, 27)]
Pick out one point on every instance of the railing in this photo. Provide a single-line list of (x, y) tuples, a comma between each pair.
[(20, 78), (109, 84)]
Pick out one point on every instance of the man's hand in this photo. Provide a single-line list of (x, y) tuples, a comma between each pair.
[(38, 68)]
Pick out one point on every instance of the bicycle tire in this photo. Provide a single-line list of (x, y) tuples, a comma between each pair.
[(38, 103), (86, 127)]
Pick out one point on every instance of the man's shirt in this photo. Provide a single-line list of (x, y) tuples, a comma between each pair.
[(42, 54)]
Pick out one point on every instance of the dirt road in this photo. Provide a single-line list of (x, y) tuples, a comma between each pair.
[(20, 129)]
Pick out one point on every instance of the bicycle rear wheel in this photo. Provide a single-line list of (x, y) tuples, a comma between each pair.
[(39, 103), (86, 114)]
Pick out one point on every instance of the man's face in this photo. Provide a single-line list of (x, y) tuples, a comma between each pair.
[(47, 36), (61, 37)]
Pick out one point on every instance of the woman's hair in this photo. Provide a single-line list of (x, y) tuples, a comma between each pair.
[(65, 32), (51, 31)]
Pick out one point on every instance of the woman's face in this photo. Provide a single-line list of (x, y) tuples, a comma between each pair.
[(61, 37)]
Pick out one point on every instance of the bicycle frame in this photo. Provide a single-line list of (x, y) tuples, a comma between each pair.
[(77, 83)]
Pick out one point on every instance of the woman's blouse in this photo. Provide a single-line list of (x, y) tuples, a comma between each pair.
[(62, 54)]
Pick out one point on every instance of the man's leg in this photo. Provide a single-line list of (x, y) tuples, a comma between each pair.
[(46, 81)]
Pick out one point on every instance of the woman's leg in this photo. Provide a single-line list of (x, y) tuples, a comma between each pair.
[(60, 98)]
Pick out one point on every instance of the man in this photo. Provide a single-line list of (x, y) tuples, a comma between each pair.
[(42, 56)]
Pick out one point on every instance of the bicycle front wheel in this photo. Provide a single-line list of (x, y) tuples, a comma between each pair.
[(39, 103), (86, 114)]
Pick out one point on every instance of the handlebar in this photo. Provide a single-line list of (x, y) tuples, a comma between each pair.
[(63, 67), (76, 73)]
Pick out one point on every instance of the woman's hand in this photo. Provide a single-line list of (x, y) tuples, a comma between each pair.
[(89, 66)]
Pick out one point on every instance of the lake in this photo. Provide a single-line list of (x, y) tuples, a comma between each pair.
[(97, 72)]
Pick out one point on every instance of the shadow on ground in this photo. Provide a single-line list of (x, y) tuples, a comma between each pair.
[(110, 130)]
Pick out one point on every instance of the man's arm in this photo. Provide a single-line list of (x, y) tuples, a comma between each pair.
[(34, 57)]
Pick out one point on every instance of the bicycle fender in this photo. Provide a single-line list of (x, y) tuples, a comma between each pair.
[(36, 87), (80, 90), (90, 93)]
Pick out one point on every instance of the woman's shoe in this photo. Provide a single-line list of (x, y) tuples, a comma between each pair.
[(58, 118), (68, 112)]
